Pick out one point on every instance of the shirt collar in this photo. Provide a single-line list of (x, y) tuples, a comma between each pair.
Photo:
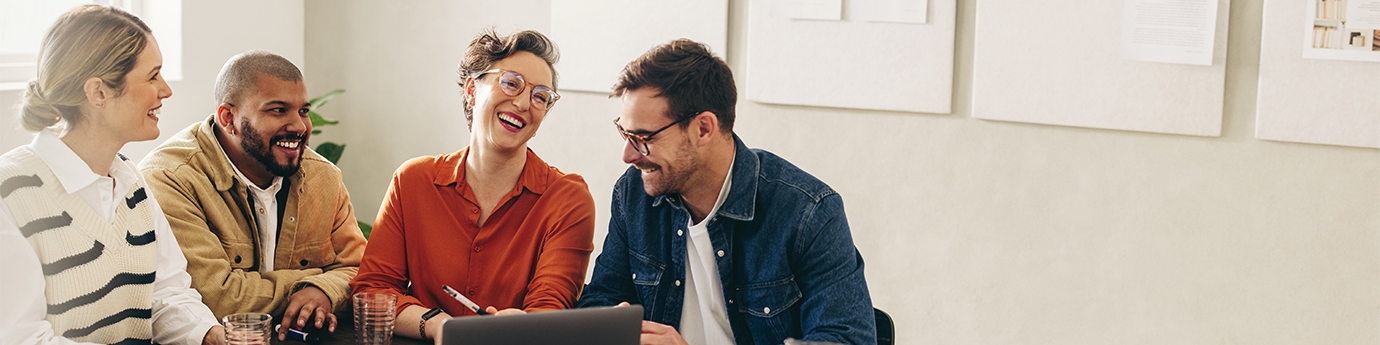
[(536, 174), (71, 171), (742, 197)]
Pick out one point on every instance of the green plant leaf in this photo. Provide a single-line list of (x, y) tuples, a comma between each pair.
[(331, 151), (365, 229), (315, 131), (317, 120), (321, 101)]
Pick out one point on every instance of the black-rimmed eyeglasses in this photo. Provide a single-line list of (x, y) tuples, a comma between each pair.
[(639, 141)]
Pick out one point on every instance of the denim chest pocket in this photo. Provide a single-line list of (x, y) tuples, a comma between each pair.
[(646, 274), (769, 299), (770, 307)]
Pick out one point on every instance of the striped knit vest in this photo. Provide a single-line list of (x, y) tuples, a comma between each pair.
[(98, 275)]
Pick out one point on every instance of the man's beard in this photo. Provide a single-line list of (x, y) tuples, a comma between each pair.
[(673, 180), (253, 144)]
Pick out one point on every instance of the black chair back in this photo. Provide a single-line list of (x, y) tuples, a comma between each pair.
[(886, 331)]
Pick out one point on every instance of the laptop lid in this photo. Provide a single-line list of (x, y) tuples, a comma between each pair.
[(591, 326)]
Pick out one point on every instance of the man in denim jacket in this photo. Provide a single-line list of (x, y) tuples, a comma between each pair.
[(719, 243)]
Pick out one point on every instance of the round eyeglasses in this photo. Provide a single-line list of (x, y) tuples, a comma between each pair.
[(513, 84)]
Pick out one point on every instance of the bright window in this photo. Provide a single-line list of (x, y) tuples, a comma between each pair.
[(24, 22)]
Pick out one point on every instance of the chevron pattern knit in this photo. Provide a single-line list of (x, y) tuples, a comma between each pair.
[(98, 276)]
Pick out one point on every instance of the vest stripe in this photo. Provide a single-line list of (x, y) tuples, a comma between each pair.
[(109, 320), (141, 239), (139, 195), (18, 182), (121, 279), (134, 341), (83, 258), (41, 224)]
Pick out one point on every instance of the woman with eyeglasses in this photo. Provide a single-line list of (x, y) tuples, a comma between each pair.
[(86, 254), (491, 221)]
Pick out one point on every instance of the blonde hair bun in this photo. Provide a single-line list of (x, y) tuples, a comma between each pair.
[(35, 111)]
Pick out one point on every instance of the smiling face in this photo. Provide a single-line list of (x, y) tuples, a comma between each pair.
[(503, 122), (672, 159), (133, 114), (273, 125)]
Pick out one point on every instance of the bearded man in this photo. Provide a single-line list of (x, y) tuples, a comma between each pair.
[(264, 221), (720, 244)]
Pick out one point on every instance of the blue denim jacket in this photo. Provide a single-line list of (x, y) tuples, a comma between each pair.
[(789, 268)]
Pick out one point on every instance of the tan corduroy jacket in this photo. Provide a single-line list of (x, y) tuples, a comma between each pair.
[(208, 206)]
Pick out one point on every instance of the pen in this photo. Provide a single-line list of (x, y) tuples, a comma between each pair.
[(463, 300), (299, 335)]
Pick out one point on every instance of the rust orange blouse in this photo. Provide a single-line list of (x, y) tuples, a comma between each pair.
[(530, 254)]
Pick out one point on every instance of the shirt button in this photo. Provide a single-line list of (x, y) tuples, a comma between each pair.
[(476, 249), (237, 259), (677, 283), (292, 219), (303, 262), (261, 210), (634, 275), (474, 210), (730, 301), (680, 233), (472, 292), (721, 253), (766, 310)]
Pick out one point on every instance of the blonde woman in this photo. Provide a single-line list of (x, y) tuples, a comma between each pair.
[(87, 255)]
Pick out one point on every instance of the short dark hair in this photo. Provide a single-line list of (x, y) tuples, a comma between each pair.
[(489, 47), (240, 75), (691, 78)]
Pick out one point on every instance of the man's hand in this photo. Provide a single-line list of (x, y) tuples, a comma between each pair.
[(214, 336), (654, 333), (309, 303)]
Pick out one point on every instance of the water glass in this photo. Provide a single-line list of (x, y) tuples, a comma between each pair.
[(374, 315), (247, 328)]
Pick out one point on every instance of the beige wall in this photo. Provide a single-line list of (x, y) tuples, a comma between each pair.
[(974, 232)]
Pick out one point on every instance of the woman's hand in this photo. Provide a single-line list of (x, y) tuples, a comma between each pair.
[(510, 311)]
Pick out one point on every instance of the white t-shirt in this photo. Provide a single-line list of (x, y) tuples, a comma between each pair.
[(704, 318)]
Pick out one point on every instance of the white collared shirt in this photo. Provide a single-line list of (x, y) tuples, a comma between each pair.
[(704, 317), (265, 214), (179, 317)]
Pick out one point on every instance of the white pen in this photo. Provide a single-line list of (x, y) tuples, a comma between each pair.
[(463, 300)]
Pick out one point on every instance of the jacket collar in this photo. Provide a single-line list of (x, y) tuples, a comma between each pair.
[(741, 204), (450, 170)]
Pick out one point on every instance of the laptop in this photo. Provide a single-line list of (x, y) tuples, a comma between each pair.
[(591, 326)]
